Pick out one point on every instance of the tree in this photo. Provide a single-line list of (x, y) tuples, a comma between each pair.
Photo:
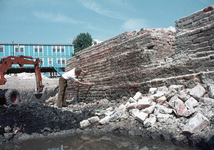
[(82, 41)]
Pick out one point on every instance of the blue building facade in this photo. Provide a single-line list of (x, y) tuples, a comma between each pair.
[(50, 55)]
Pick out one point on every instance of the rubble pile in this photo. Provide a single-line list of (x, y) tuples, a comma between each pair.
[(163, 105)]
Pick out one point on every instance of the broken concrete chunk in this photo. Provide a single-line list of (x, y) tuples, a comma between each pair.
[(152, 90), (157, 95), (162, 117), (144, 102), (150, 121), (161, 100), (84, 123), (207, 101), (132, 100), (150, 109), (183, 96), (134, 112), (196, 124), (176, 87), (170, 93), (137, 96), (164, 89), (188, 112), (211, 91), (197, 92), (141, 116), (104, 120), (94, 119), (162, 109), (191, 103), (116, 116), (131, 106)]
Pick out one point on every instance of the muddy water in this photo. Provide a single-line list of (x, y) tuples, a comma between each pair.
[(92, 142)]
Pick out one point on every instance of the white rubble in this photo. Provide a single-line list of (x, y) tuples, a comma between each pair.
[(94, 119), (84, 123), (196, 124), (197, 92), (137, 96)]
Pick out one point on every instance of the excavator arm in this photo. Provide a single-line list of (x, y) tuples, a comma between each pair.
[(7, 62)]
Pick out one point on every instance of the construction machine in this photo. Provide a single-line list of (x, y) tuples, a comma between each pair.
[(12, 96)]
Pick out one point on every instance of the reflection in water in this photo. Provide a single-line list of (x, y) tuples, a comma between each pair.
[(92, 142)]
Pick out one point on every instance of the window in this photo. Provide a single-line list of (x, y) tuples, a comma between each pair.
[(1, 49), (63, 61), (16, 49), (19, 49), (54, 49), (58, 61), (58, 49), (41, 61), (62, 49), (38, 49), (50, 61), (35, 49)]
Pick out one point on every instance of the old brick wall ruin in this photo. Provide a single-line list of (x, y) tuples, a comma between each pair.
[(135, 61)]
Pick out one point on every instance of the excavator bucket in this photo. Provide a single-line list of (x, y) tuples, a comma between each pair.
[(38, 95)]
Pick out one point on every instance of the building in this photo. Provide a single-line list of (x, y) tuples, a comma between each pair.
[(50, 55)]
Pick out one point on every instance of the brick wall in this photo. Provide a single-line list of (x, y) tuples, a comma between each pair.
[(118, 65), (136, 61)]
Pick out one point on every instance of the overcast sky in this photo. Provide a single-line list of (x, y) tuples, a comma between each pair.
[(59, 21)]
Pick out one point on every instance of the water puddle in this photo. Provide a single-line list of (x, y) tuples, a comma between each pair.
[(92, 142)]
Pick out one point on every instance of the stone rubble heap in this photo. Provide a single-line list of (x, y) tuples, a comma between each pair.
[(162, 105)]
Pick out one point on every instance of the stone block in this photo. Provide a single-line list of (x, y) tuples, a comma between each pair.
[(150, 121), (197, 92), (144, 102), (176, 87), (162, 109), (207, 101), (188, 112), (131, 106), (84, 123), (157, 95), (137, 96), (196, 124), (163, 89), (150, 109), (161, 100), (191, 103), (183, 96), (94, 119), (141, 116), (152, 90), (211, 91), (162, 117), (134, 112), (104, 120), (132, 100)]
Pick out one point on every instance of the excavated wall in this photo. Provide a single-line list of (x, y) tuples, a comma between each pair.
[(136, 61)]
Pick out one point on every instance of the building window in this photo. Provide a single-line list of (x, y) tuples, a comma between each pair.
[(58, 49), (19, 49), (1, 49), (63, 61), (54, 49), (62, 49), (41, 61), (40, 49), (50, 61), (36, 49), (58, 61), (16, 49)]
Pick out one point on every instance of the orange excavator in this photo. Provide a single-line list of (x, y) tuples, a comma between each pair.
[(12, 96)]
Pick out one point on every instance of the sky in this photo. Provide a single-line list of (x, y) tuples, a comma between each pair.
[(59, 21)]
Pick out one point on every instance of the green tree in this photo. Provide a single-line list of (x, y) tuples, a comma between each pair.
[(82, 41)]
